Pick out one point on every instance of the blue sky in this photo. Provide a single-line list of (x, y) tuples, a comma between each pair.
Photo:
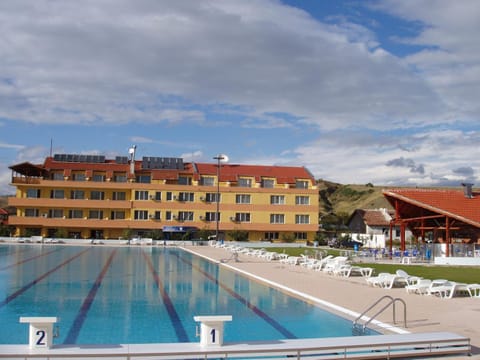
[(382, 92)]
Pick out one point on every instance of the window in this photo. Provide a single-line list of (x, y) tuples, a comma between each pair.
[(210, 216), (119, 177), (55, 213), (242, 199), (78, 176), (75, 214), (141, 195), (157, 196), (271, 236), (95, 214), (300, 235), (268, 183), (277, 219), (77, 194), (140, 215), (244, 182), (185, 196), (185, 216), (33, 193), (302, 200), (97, 195), (212, 197), (168, 215), (57, 176), (277, 199), (143, 179), (207, 181), (184, 180), (302, 219), (31, 212), (119, 195), (242, 217), (169, 196), (57, 194), (156, 215), (117, 215), (98, 177), (301, 184)]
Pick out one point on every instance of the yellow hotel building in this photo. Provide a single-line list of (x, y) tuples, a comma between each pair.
[(91, 197)]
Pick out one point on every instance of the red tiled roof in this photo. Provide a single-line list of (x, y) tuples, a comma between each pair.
[(449, 202), (375, 218), (231, 172)]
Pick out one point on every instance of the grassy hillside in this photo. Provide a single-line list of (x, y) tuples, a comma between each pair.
[(338, 198), (3, 201)]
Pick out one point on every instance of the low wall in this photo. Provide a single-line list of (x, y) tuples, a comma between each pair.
[(457, 261)]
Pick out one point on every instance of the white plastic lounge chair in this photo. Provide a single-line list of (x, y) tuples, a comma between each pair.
[(377, 281), (319, 265), (348, 270), (333, 264), (448, 289), (420, 287), (270, 255), (474, 290), (424, 285), (394, 280), (410, 279), (293, 260)]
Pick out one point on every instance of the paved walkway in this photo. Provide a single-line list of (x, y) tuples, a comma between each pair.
[(424, 313)]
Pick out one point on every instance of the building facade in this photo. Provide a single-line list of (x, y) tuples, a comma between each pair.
[(91, 197), (374, 227)]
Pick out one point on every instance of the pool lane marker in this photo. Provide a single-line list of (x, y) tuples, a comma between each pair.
[(271, 321), (172, 313), (74, 331), (28, 259), (40, 278)]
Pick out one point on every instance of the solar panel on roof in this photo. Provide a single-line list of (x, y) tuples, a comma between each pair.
[(121, 159), (153, 162)]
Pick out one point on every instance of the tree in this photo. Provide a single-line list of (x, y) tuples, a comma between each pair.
[(288, 237), (238, 235)]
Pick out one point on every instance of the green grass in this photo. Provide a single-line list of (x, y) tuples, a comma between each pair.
[(464, 274)]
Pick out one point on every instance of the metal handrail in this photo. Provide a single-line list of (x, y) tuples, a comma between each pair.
[(391, 302)]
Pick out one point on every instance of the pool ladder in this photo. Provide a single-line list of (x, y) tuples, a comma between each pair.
[(360, 329)]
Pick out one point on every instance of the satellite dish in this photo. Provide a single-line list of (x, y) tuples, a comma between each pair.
[(131, 150), (223, 158)]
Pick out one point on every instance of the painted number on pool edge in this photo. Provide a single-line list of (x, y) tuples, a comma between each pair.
[(41, 337), (213, 335)]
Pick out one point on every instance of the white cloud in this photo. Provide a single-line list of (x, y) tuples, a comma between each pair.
[(113, 62), (261, 64)]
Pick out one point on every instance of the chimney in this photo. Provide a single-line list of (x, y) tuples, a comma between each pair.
[(131, 152), (467, 190)]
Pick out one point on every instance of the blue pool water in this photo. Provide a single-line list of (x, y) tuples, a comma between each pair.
[(108, 295)]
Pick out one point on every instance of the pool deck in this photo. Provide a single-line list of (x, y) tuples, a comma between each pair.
[(459, 315)]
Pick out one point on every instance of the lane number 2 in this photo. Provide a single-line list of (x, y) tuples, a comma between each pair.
[(40, 338)]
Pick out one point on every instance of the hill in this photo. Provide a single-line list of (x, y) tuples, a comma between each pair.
[(3, 201), (344, 199)]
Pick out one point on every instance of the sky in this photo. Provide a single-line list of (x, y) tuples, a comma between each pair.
[(382, 92)]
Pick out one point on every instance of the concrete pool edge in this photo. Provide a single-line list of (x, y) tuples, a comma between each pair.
[(312, 299)]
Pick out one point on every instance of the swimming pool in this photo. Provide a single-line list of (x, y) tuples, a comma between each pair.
[(110, 295)]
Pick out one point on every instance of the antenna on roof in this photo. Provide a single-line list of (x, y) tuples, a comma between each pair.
[(467, 190), (131, 152)]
